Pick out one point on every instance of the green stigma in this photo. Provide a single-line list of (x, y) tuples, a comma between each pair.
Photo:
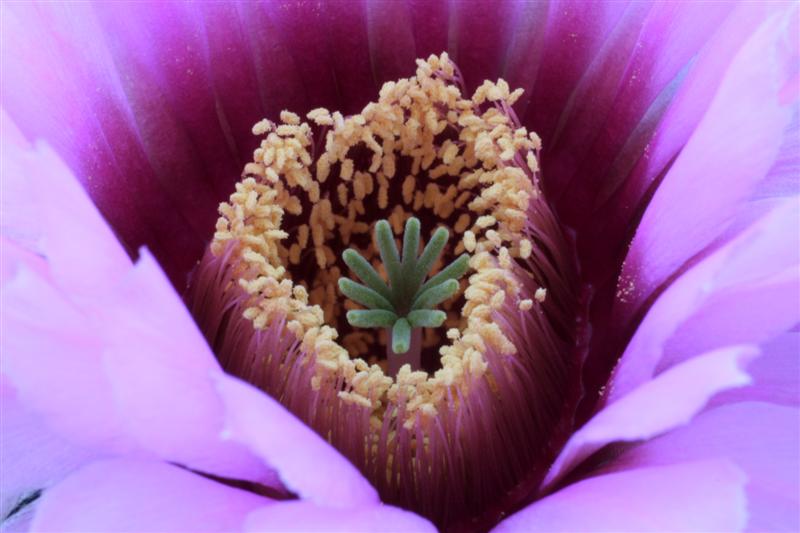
[(408, 300)]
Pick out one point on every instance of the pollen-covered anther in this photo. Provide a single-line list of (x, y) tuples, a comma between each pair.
[(424, 149)]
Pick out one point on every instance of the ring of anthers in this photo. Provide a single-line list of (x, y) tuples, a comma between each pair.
[(423, 147)]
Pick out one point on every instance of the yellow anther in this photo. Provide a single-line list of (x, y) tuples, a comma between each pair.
[(540, 294), (525, 248), (341, 190), (263, 126), (482, 188), (323, 168), (320, 116), (290, 118), (469, 241), (485, 221), (346, 172), (462, 223)]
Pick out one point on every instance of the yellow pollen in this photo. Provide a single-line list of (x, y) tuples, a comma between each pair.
[(470, 182)]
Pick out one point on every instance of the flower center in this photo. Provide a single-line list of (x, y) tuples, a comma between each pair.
[(437, 434)]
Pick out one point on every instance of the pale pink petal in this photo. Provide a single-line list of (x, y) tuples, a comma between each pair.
[(130, 495), (731, 150), (161, 372), (745, 312), (52, 357), (307, 517), (140, 392), (669, 400), (775, 374), (307, 464), (724, 293), (47, 209), (700, 496), (18, 221), (762, 439), (32, 458), (106, 352)]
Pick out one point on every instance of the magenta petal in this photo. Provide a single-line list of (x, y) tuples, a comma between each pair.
[(129, 495), (626, 189), (719, 166), (698, 496), (724, 293), (156, 173), (306, 517), (570, 40), (306, 463), (762, 440), (622, 95), (669, 400)]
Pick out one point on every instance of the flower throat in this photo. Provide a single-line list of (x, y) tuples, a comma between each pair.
[(426, 385)]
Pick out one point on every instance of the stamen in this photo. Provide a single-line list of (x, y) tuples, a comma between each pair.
[(489, 364)]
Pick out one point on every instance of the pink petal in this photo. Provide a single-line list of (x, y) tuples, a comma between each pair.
[(52, 213), (162, 374), (724, 293), (655, 407), (52, 357), (164, 130), (131, 150), (32, 458), (775, 374), (719, 167), (306, 517), (105, 352), (625, 191), (130, 495), (119, 382), (622, 95), (699, 496), (19, 221), (747, 312), (762, 440), (307, 464)]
